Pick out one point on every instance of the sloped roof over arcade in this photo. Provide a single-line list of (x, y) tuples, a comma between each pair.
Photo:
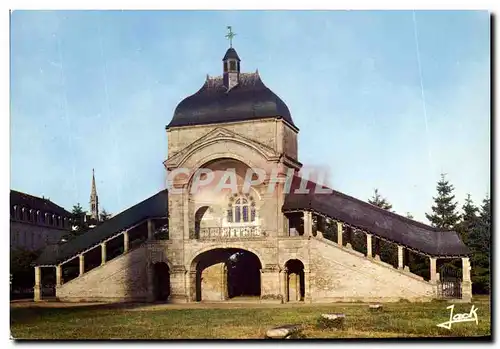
[(153, 207), (373, 219)]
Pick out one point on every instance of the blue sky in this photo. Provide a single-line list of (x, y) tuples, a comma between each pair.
[(95, 89)]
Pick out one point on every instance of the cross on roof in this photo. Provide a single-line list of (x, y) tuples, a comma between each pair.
[(230, 35)]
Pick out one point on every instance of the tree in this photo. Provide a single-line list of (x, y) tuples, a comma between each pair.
[(77, 214), (379, 201), (409, 215), (469, 220), (444, 215), (478, 241), (22, 273), (105, 215)]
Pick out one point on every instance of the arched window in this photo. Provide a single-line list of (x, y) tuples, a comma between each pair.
[(232, 65), (241, 209)]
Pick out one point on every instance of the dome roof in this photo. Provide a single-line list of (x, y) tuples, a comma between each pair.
[(249, 100), (231, 53)]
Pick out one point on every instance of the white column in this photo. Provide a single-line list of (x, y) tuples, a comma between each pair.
[(82, 264), (125, 241), (284, 284), (103, 253), (400, 257), (466, 281), (58, 275), (466, 269), (307, 223), (37, 290), (340, 230), (433, 275), (369, 253)]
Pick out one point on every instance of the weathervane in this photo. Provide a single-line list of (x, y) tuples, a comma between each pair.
[(230, 35)]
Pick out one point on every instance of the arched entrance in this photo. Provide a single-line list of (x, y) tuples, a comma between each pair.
[(161, 281), (225, 273), (198, 217), (295, 280)]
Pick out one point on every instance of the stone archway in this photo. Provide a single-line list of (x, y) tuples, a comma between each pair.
[(198, 218), (221, 274), (161, 281), (295, 286)]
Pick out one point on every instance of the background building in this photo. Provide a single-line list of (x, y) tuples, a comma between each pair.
[(36, 222)]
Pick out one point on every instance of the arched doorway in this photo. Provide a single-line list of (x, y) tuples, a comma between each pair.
[(225, 273), (243, 275), (295, 280), (198, 217), (161, 281)]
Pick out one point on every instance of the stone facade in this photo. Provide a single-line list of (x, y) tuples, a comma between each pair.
[(324, 271), (331, 274), (219, 232)]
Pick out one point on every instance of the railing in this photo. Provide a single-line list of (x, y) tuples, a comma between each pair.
[(229, 232)]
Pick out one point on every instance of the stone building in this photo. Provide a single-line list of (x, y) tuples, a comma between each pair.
[(189, 244), (36, 222)]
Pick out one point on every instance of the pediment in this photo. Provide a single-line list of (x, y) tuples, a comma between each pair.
[(219, 135)]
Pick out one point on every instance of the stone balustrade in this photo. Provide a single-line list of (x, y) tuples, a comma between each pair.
[(229, 232)]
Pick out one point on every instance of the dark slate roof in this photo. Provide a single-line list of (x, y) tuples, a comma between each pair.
[(249, 100), (231, 53), (378, 221), (155, 206), (36, 203)]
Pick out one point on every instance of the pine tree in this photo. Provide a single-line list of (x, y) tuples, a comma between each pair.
[(77, 215), (479, 240), (469, 219), (444, 215), (379, 201)]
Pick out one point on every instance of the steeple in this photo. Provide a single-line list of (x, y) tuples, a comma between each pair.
[(94, 200), (231, 63)]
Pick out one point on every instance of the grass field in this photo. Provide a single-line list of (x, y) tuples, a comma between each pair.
[(232, 321)]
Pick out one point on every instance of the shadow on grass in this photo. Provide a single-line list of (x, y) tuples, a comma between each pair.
[(35, 312)]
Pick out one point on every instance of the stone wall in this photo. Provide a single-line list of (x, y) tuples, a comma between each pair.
[(213, 283), (272, 133), (339, 274), (122, 278)]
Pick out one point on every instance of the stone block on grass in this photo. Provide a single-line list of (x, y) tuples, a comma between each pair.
[(335, 321), (285, 332), (375, 307)]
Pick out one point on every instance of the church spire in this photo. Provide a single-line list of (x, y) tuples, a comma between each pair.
[(94, 200), (231, 63)]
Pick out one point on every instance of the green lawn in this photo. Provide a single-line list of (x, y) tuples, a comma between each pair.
[(203, 322)]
